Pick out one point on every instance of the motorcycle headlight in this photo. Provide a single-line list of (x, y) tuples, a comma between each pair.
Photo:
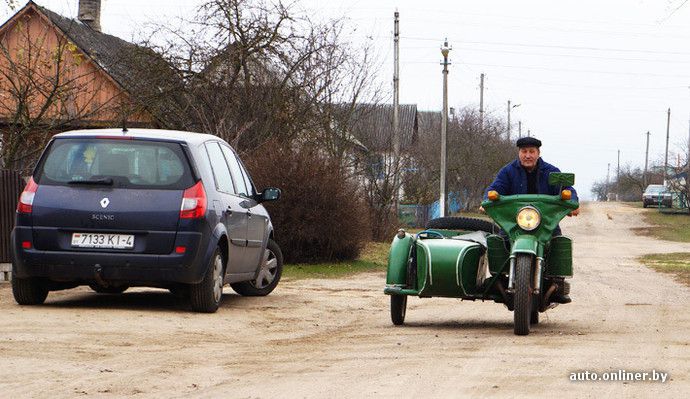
[(528, 218)]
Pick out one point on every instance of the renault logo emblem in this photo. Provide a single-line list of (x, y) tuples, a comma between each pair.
[(104, 202)]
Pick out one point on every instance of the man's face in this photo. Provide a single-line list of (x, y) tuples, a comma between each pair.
[(528, 157)]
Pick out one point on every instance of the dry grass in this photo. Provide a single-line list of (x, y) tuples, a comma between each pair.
[(373, 258), (677, 264)]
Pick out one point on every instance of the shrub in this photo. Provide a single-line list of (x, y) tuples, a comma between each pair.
[(320, 215)]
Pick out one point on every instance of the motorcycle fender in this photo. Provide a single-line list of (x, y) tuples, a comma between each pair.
[(397, 260), (525, 244)]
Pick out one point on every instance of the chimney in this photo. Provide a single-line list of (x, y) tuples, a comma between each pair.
[(90, 13)]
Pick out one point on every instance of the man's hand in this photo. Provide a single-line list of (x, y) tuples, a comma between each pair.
[(575, 212), (481, 209)]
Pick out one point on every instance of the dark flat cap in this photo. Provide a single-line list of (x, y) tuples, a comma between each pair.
[(528, 142)]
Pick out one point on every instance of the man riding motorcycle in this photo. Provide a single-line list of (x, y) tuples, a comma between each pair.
[(529, 174)]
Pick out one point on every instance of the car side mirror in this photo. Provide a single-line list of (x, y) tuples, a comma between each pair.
[(269, 194), (561, 179)]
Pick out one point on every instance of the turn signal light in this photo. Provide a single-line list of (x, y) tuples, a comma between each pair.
[(566, 195), (493, 195)]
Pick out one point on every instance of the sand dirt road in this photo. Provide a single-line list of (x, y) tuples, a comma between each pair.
[(333, 338)]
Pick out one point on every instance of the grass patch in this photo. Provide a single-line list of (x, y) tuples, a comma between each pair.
[(667, 226), (677, 264), (373, 258)]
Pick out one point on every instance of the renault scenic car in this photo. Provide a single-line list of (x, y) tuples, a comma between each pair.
[(113, 209)]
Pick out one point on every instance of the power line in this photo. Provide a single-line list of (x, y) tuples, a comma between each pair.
[(579, 70), (584, 48)]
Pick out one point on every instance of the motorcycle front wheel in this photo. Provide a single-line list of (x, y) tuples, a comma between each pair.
[(523, 294)]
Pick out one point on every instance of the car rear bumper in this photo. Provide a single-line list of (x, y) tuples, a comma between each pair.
[(657, 201), (85, 266)]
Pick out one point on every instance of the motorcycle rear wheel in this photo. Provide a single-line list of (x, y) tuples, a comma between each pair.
[(523, 294)]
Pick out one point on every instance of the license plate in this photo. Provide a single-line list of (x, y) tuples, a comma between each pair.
[(98, 240)]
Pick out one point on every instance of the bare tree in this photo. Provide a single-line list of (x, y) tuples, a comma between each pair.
[(474, 157), (46, 85), (245, 70), (679, 179)]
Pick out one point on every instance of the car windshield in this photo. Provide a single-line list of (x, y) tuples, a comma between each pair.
[(121, 163), (654, 189)]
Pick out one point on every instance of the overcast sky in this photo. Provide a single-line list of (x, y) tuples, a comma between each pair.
[(591, 77)]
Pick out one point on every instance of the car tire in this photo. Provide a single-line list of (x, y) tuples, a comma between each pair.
[(205, 297), (119, 289), (462, 223), (29, 291), (270, 271), (398, 309)]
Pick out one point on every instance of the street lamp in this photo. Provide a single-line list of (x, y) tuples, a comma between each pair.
[(444, 125), (509, 108)]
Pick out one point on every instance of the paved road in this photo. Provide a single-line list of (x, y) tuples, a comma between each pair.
[(323, 338)]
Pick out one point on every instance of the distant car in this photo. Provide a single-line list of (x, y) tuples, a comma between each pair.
[(113, 209), (656, 195)]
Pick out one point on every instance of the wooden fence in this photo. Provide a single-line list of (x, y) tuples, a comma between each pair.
[(11, 186)]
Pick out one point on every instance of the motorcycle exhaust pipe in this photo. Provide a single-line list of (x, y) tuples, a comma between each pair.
[(548, 294)]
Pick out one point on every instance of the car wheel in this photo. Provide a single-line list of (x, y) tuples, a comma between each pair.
[(270, 271), (398, 309), (205, 296), (118, 289), (29, 291)]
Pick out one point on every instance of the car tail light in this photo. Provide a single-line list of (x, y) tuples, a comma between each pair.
[(180, 250), (193, 202), (26, 244), (26, 200)]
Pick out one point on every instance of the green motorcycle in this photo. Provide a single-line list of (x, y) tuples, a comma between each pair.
[(522, 264)]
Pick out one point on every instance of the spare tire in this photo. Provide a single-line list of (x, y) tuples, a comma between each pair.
[(462, 223)]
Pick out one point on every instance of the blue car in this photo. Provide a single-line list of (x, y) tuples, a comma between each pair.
[(113, 209)]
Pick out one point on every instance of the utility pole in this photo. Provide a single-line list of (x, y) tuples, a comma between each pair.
[(481, 102), (396, 108), (668, 127), (509, 120), (444, 125), (509, 108), (608, 171), (519, 129), (618, 176), (646, 158)]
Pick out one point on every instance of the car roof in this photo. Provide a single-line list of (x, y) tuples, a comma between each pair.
[(137, 133)]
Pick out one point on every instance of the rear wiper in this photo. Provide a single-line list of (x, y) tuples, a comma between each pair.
[(105, 181)]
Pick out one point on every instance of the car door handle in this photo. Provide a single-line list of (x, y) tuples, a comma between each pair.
[(228, 210)]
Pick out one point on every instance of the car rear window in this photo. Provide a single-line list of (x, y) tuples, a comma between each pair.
[(129, 163), (654, 189)]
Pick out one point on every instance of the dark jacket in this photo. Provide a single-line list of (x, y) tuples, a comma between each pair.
[(512, 179)]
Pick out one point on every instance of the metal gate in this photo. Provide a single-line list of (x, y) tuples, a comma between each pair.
[(11, 186)]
